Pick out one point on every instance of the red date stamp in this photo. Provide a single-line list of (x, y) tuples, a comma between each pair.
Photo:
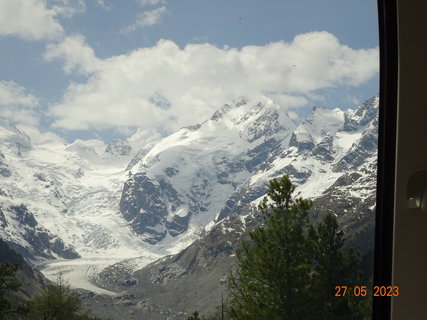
[(362, 291)]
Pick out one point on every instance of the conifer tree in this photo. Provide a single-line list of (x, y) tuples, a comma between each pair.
[(8, 284), (289, 269), (333, 267), (57, 303), (194, 316), (272, 278)]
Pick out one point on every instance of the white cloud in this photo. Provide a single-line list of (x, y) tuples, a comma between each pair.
[(67, 8), (77, 55), (13, 94), (16, 104), (142, 137), (41, 137), (146, 19), (29, 19), (192, 82)]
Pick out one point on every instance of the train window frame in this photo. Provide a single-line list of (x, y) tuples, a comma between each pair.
[(387, 128)]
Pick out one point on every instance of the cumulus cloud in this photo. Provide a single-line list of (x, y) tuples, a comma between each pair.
[(29, 19), (16, 104), (77, 55), (36, 19), (168, 87), (146, 19)]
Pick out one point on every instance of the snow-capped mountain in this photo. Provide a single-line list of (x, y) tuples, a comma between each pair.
[(61, 200), (19, 226), (330, 155), (185, 180), (204, 173), (200, 185)]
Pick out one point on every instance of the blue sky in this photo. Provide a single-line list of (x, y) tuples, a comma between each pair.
[(107, 68)]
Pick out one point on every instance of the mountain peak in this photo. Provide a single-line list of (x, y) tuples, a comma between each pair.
[(314, 128), (188, 175), (362, 115), (118, 147), (13, 138)]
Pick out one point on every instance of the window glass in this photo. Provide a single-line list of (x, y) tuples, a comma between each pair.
[(139, 139)]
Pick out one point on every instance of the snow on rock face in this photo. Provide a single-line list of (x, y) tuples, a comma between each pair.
[(29, 238), (13, 139), (360, 150), (118, 147), (85, 149), (363, 115), (209, 171), (4, 168), (319, 123), (186, 179), (61, 201)]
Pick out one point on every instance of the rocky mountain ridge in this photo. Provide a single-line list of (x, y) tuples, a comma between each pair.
[(203, 174)]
